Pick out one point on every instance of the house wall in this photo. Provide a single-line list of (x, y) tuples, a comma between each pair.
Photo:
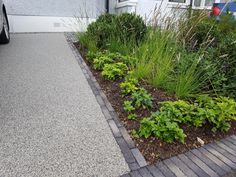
[(56, 8), (52, 15)]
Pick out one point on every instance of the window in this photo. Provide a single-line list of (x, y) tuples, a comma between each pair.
[(203, 3)]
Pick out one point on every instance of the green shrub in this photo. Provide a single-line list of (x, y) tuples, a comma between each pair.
[(92, 55), (162, 127), (132, 116), (114, 71), (117, 32), (142, 98), (101, 29), (129, 86), (99, 62), (128, 107), (128, 27)]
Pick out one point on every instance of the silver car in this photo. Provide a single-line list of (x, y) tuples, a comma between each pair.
[(4, 25)]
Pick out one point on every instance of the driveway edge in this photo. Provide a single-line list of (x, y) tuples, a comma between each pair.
[(132, 155)]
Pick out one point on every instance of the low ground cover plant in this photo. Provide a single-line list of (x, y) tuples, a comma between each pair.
[(196, 64), (164, 124), (114, 71)]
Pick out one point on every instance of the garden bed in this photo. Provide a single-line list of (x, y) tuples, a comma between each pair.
[(152, 148)]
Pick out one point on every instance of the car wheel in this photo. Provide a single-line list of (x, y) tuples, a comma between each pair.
[(5, 35)]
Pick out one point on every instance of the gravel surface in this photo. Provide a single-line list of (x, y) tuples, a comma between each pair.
[(50, 122)]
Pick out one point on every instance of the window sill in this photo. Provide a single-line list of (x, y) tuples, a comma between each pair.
[(126, 3)]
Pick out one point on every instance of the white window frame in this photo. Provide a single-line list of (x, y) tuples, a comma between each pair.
[(202, 5), (126, 3)]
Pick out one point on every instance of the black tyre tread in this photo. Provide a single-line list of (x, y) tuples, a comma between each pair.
[(3, 37)]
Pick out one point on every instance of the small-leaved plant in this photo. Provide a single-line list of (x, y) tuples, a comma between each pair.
[(114, 71), (128, 87), (132, 116), (161, 127), (99, 63), (128, 107), (142, 98)]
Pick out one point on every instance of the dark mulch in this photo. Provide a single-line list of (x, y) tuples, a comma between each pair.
[(154, 149)]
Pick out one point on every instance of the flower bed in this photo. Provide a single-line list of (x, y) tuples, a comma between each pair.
[(165, 112)]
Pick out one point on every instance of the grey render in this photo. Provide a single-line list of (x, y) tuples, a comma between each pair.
[(60, 8)]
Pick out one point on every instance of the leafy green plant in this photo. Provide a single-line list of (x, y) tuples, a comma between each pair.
[(101, 29), (162, 127), (183, 112), (128, 107), (129, 26), (142, 98), (129, 86), (114, 71), (100, 62), (132, 116), (218, 111)]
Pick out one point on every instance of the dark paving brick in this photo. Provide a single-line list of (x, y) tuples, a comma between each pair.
[(232, 174), (229, 144), (135, 174), (125, 150), (165, 170), (97, 85), (144, 172), (225, 147), (100, 100), (127, 138), (116, 118), (93, 79), (224, 152), (231, 140), (95, 91), (220, 156), (234, 137), (108, 105), (209, 162), (215, 159), (155, 171), (139, 157), (174, 168), (201, 164), (106, 113), (134, 166), (186, 170), (197, 170), (104, 97), (126, 175), (114, 128)]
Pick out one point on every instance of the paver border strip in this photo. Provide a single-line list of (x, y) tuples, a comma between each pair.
[(132, 155), (199, 162)]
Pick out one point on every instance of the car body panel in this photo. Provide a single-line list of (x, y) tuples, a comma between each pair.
[(1, 15)]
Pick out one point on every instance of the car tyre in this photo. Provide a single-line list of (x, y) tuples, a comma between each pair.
[(5, 34)]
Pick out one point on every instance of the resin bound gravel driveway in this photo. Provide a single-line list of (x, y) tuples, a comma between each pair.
[(50, 122)]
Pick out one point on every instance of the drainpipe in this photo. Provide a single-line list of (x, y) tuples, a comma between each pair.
[(107, 6)]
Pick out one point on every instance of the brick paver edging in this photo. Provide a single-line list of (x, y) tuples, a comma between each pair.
[(132, 155), (217, 159)]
